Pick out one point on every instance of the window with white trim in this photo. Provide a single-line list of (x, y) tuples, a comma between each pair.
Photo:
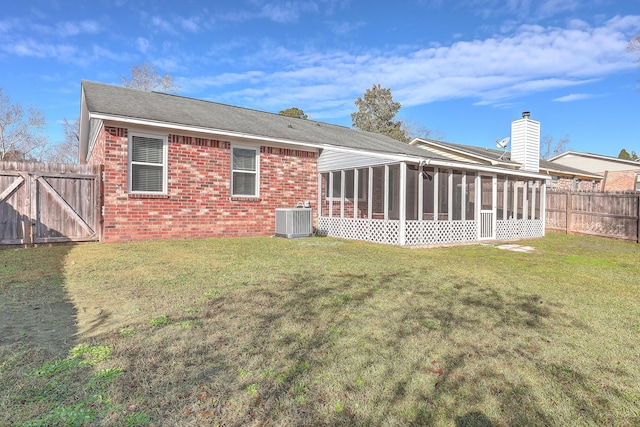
[(244, 172), (638, 182), (147, 163)]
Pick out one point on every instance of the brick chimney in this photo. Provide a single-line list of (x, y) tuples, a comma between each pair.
[(525, 142)]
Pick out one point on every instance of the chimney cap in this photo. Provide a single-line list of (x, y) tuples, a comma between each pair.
[(526, 115)]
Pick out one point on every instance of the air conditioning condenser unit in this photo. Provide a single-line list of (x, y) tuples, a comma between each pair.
[(294, 222)]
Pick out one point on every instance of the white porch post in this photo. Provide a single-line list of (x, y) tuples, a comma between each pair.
[(525, 201), (342, 188), (386, 193), (494, 201), (543, 207), (403, 204), (370, 193), (450, 195), (436, 191), (420, 194), (478, 197), (515, 200), (356, 186), (319, 196)]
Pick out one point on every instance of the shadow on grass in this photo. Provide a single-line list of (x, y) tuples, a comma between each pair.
[(361, 348), (35, 309)]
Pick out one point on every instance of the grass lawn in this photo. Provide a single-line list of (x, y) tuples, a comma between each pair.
[(320, 331)]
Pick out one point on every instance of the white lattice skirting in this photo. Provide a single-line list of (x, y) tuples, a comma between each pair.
[(437, 232), (419, 233), (371, 230), (519, 229)]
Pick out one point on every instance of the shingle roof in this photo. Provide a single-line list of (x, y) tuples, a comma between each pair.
[(162, 108), (493, 154)]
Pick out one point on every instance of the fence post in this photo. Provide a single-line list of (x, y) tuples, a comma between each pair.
[(570, 213)]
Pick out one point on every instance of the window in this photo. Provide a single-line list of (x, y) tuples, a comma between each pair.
[(638, 182), (147, 164), (576, 184), (244, 172)]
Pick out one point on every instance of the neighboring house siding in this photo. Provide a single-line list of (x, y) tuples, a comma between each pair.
[(594, 165), (198, 202), (621, 180)]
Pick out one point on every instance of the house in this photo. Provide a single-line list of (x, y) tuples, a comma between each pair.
[(559, 176), (176, 167), (618, 174)]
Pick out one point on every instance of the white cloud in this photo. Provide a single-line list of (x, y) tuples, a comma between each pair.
[(70, 29), (576, 97), (163, 25), (36, 49), (191, 25), (142, 44), (492, 71)]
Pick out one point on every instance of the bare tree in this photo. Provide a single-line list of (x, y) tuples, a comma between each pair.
[(634, 45), (21, 136), (549, 148), (145, 77), (67, 150), (414, 130)]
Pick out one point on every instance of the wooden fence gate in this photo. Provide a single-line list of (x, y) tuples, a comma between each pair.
[(48, 203)]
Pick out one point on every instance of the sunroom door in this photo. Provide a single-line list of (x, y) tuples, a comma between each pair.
[(487, 203)]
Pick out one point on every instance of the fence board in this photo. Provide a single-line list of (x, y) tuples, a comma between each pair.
[(48, 202), (614, 215)]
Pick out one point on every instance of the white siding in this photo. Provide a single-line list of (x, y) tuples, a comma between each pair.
[(525, 144), (331, 160), (594, 165)]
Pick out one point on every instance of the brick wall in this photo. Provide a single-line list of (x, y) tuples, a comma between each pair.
[(620, 180), (566, 184), (198, 202)]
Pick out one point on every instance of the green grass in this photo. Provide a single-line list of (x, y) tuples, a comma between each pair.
[(320, 331)]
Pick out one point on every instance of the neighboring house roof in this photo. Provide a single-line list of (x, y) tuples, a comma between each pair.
[(596, 163), (118, 103), (498, 157), (468, 152)]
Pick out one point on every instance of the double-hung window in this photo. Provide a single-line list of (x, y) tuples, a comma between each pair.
[(244, 172), (147, 163)]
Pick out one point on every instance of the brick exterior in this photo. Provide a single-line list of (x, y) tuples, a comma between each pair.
[(620, 180), (567, 184), (198, 202)]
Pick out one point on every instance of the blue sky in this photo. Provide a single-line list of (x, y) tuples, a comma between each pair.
[(465, 68)]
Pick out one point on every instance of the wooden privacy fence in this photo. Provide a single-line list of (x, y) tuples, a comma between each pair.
[(48, 203), (614, 215)]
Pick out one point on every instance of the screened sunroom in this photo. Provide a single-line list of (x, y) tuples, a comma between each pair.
[(426, 202)]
